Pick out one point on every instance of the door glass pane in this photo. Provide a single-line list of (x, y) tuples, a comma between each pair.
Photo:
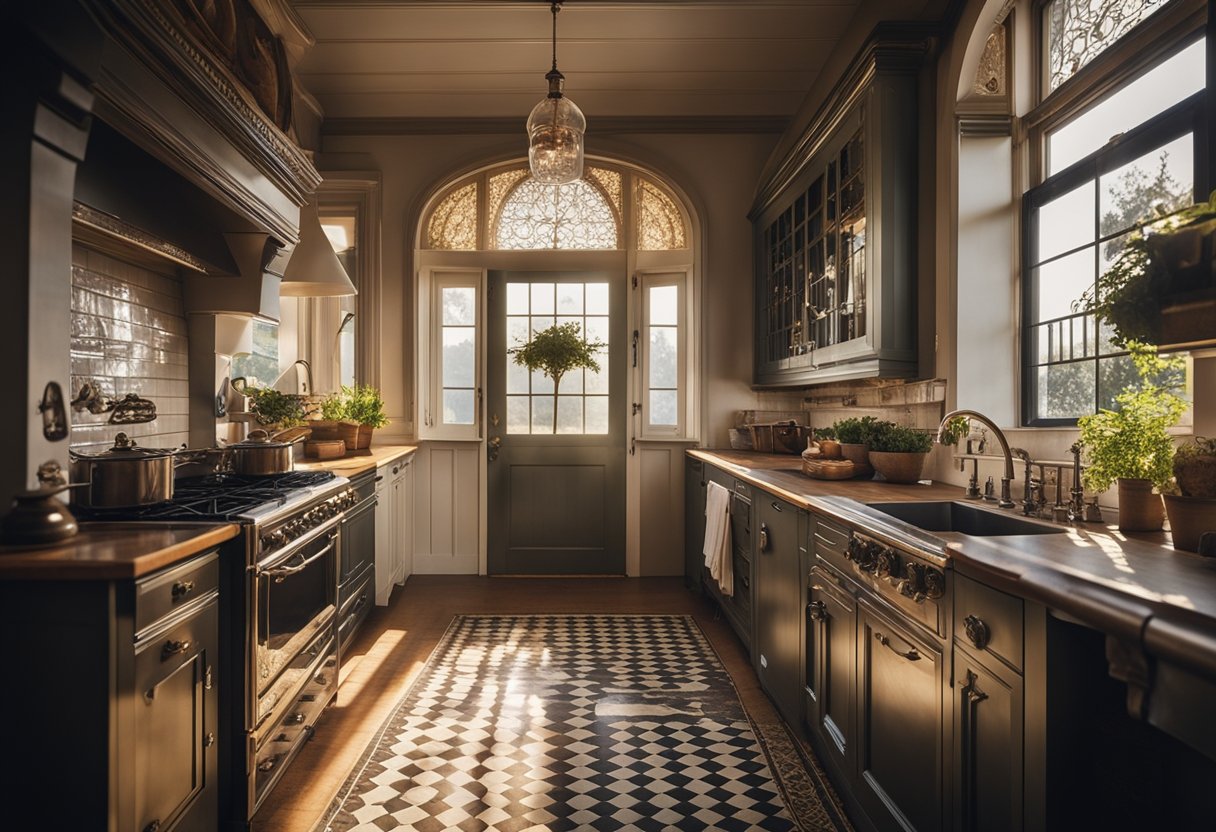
[(569, 413), (517, 298), (663, 407), (663, 305), (570, 298), (542, 414), (597, 414), (459, 306), (542, 299), (598, 382), (663, 356), (597, 298), (518, 414)]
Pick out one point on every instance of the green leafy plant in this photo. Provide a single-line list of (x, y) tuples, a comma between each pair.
[(887, 437), (333, 407), (274, 408), (365, 405), (854, 430), (556, 351), (955, 429), (1132, 440), (824, 433), (1156, 263)]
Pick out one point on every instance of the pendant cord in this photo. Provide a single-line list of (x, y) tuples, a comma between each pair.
[(557, 7)]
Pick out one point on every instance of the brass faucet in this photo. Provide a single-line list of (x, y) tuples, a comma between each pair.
[(1005, 501)]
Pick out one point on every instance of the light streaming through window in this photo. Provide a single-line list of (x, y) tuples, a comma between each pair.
[(459, 350), (663, 358)]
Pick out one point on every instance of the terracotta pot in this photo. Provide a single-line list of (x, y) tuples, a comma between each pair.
[(898, 467), (1189, 517), (364, 440), (1140, 510), (859, 455), (1196, 475)]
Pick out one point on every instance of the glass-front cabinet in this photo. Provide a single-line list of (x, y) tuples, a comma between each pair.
[(836, 235)]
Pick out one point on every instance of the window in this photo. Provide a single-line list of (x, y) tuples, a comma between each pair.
[(341, 230), (665, 361), (260, 367), (1077, 31), (451, 406), (1097, 191)]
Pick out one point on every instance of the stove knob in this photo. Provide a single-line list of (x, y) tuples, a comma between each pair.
[(268, 541)]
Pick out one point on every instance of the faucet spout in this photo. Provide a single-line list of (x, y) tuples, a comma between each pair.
[(1005, 501)]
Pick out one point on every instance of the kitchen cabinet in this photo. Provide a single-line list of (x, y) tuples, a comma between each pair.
[(779, 604), (834, 234), (832, 666), (694, 522), (738, 608), (394, 526), (120, 696), (901, 727), (987, 744)]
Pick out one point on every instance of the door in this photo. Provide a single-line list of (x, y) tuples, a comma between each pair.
[(832, 666), (556, 491), (778, 605)]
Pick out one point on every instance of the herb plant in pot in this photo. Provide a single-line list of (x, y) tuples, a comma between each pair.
[(274, 409), (1131, 444), (1192, 512), (853, 434), (364, 405), (898, 453)]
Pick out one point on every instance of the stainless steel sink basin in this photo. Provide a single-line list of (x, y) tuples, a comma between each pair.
[(963, 518)]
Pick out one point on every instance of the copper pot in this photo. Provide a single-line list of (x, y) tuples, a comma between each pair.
[(124, 476), (263, 454)]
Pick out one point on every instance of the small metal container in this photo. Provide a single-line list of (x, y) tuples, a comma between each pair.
[(124, 476), (261, 455)]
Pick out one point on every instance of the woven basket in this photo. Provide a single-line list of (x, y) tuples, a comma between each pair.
[(828, 469)]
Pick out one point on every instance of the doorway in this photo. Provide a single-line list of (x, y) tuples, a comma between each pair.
[(556, 463)]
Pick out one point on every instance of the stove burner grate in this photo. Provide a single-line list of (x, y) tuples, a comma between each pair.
[(216, 497)]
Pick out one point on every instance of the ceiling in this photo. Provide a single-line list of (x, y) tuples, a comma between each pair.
[(457, 59)]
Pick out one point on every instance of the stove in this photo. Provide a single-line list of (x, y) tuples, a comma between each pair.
[(278, 607)]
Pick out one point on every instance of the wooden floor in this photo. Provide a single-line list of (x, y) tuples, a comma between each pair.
[(397, 639)]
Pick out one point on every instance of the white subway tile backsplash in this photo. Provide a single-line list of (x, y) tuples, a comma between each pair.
[(129, 336)]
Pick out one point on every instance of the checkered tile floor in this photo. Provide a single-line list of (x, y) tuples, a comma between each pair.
[(566, 722)]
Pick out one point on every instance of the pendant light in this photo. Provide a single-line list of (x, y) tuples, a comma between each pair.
[(555, 129), (314, 269)]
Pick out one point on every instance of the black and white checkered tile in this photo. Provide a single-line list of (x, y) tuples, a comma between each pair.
[(566, 722)]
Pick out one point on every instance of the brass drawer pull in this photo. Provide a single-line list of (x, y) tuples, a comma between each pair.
[(911, 655), (977, 631), (181, 589)]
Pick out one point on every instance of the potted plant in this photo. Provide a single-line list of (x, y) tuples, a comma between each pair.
[(1160, 288), (1192, 512), (898, 453), (556, 351), (274, 409), (1131, 444), (365, 405), (853, 434), (335, 423)]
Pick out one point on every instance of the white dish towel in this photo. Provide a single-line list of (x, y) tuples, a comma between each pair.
[(717, 548)]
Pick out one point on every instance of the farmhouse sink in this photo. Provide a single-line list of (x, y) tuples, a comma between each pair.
[(963, 518)]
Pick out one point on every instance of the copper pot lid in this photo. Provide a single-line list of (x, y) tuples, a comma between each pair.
[(125, 448), (259, 439)]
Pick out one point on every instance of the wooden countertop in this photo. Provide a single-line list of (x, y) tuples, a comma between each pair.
[(113, 551), (1134, 587), (359, 462)]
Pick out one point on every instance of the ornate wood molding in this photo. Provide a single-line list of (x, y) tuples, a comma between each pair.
[(157, 38), (604, 125), (124, 234)]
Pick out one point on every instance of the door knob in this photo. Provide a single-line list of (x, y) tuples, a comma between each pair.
[(492, 448)]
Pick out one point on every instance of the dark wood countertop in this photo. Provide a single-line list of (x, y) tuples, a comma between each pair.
[(1134, 587), (359, 462), (113, 551)]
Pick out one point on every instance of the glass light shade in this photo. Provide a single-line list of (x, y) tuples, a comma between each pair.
[(555, 141)]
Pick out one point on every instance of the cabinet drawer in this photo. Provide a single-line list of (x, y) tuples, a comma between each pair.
[(988, 620), (829, 541), (171, 589)]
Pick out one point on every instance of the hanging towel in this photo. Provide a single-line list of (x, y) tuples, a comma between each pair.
[(717, 549)]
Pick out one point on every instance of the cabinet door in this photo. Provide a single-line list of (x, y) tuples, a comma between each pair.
[(987, 745), (386, 525), (902, 727), (832, 655), (694, 522), (399, 532), (175, 723), (406, 519), (778, 604)]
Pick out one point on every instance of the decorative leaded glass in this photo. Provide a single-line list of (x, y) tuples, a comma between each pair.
[(610, 181), (500, 185), (660, 224), (453, 225), (571, 216), (990, 77), (1080, 30)]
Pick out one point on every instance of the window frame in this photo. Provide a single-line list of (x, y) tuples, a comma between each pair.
[(429, 418), (647, 280), (1159, 37)]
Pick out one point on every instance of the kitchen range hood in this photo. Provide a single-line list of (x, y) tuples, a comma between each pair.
[(314, 269)]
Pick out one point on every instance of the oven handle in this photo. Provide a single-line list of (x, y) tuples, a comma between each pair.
[(281, 572)]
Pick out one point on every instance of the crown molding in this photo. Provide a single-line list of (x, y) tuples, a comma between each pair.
[(602, 125)]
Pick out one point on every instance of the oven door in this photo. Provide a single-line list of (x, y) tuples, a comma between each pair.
[(295, 600)]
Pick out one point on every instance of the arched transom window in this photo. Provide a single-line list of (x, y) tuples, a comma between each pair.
[(591, 214)]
